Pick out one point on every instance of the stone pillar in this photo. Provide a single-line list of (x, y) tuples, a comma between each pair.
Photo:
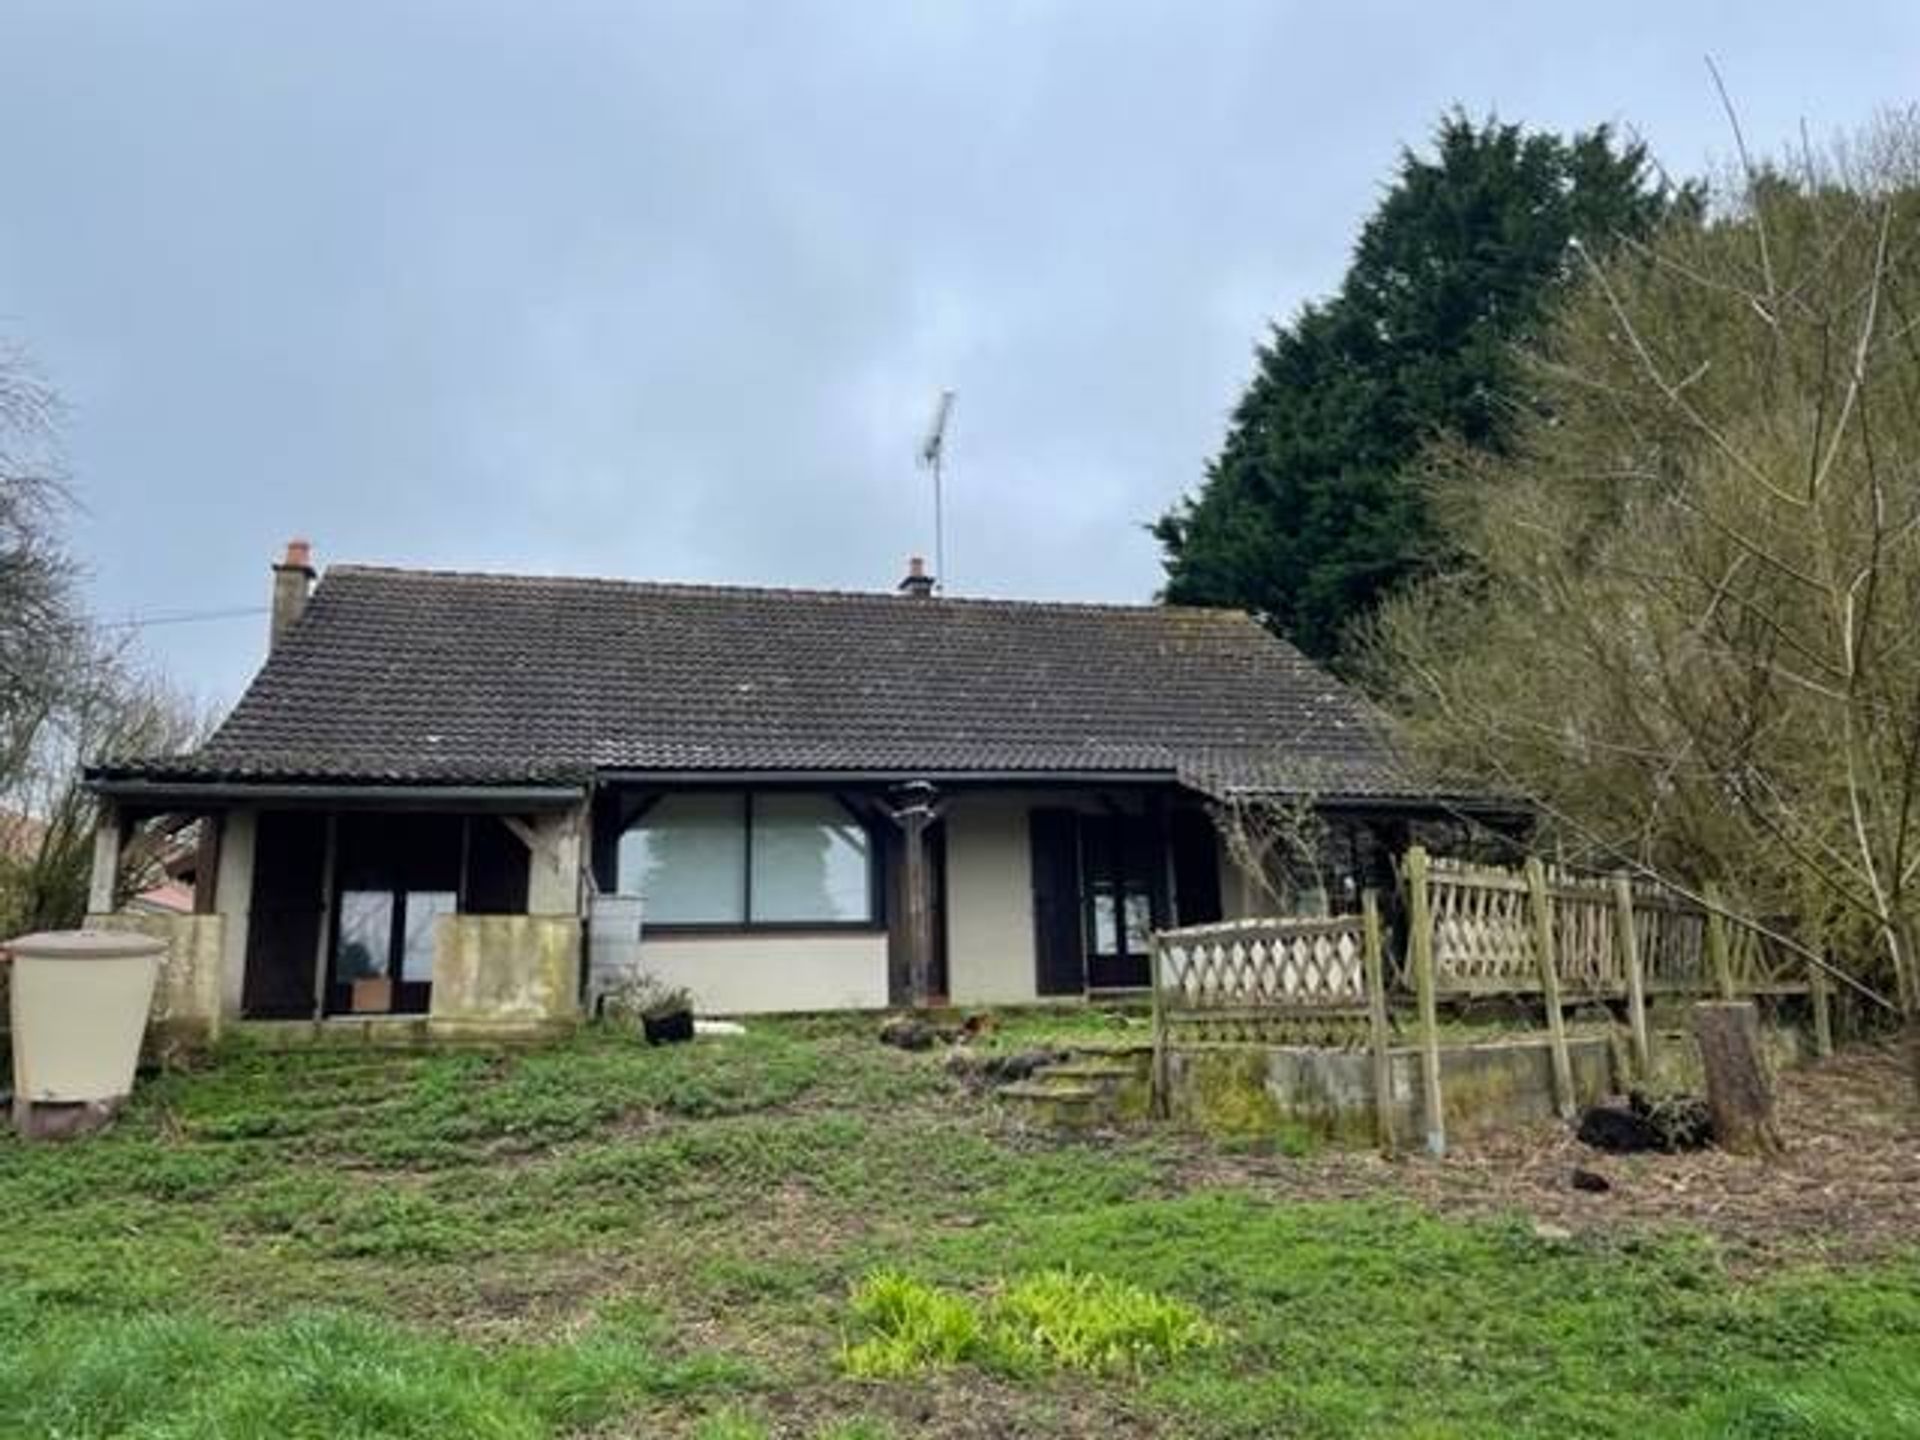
[(233, 891), (555, 855), (107, 839)]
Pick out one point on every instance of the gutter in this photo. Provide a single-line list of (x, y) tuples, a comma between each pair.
[(505, 797), (843, 777)]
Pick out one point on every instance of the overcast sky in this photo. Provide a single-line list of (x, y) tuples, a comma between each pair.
[(667, 290)]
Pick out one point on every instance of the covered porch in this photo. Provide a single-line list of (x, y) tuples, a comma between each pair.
[(407, 911)]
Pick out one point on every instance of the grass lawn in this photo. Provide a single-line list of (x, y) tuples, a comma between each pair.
[(602, 1239)]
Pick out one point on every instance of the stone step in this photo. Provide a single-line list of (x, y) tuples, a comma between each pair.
[(1062, 1104), (1042, 1088), (1097, 1072)]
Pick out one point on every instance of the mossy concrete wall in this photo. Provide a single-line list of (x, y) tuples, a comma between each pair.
[(504, 973), (1242, 1089), (187, 1001), (1491, 1085)]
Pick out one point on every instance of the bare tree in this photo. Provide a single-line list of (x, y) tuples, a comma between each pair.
[(40, 621), (1278, 843), (68, 694), (1686, 617), (108, 707)]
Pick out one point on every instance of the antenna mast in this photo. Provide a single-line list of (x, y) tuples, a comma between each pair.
[(932, 455)]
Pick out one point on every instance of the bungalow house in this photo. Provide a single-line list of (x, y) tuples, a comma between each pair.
[(479, 798)]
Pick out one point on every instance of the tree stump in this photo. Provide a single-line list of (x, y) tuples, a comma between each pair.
[(1739, 1091)]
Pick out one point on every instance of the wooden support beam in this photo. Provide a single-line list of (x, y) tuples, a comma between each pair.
[(1540, 902), (916, 808), (1628, 940), (1420, 955), (322, 947), (206, 864), (1374, 954)]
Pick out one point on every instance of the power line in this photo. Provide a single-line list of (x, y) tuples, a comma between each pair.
[(182, 617)]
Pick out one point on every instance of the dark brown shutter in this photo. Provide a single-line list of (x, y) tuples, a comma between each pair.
[(283, 932), (1196, 869), (1060, 960)]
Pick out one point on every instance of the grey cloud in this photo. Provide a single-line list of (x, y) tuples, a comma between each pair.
[(666, 290)]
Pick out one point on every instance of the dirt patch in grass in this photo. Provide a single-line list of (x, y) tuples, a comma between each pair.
[(1844, 1189)]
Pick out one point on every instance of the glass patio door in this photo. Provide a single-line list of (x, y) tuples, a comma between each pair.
[(1119, 858)]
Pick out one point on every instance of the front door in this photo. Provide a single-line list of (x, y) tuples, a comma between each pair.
[(1121, 873), (397, 874)]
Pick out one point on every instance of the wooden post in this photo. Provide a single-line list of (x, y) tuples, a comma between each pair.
[(1420, 955), (322, 946), (206, 864), (919, 909), (1739, 1091), (1820, 991), (1542, 906), (1157, 1077), (1628, 939), (1376, 973), (1719, 954)]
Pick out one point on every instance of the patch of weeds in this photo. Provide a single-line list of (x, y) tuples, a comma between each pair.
[(912, 1326), (1082, 1320), (1056, 1319)]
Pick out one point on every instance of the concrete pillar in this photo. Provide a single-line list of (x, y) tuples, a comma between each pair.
[(233, 891), (108, 836), (554, 861)]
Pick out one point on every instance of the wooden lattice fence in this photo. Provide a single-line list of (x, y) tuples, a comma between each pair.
[(1264, 979), (1472, 932)]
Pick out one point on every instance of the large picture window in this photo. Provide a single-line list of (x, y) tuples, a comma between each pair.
[(761, 859)]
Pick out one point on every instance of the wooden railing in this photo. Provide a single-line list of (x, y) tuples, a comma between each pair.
[(1272, 980), (1260, 964), (1473, 932)]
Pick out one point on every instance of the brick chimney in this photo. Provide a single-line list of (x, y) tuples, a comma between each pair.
[(918, 583), (292, 581)]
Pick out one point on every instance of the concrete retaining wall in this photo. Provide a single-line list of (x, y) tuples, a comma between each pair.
[(187, 1002), (1491, 1085), (504, 973)]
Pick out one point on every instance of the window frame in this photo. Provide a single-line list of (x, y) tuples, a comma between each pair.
[(875, 923)]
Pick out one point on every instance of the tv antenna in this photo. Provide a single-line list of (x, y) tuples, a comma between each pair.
[(933, 452)]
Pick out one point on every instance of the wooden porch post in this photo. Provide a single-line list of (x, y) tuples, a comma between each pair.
[(206, 864), (320, 946), (915, 809)]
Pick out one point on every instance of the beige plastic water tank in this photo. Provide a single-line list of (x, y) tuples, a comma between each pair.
[(80, 1002)]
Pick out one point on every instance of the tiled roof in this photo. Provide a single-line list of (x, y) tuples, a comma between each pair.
[(426, 676)]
